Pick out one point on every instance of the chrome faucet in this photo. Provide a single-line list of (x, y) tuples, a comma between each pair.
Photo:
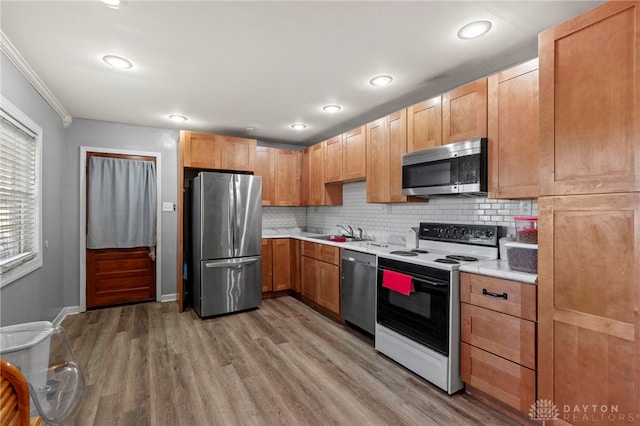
[(348, 231), (360, 233)]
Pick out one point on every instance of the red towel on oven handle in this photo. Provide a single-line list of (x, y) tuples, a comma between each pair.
[(398, 282)]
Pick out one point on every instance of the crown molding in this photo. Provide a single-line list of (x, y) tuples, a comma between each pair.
[(18, 60)]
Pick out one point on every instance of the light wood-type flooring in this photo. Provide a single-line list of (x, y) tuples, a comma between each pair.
[(283, 363)]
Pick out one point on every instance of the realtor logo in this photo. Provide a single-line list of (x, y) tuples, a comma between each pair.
[(544, 410)]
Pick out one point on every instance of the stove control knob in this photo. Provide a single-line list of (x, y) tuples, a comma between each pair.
[(447, 230), (455, 231), (463, 231)]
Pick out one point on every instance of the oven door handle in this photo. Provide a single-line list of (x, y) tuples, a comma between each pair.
[(430, 282)]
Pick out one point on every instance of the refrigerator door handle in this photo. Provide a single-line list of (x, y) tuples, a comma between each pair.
[(230, 263)]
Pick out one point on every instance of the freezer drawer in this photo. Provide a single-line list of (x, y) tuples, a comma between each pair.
[(228, 285)]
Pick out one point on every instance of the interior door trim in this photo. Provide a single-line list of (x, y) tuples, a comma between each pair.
[(82, 302)]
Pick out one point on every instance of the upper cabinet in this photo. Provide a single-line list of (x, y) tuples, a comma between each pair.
[(205, 151), (464, 112), (386, 142), (590, 93), (280, 171), (513, 132), (265, 167), (287, 177), (304, 177), (345, 157), (424, 124), (320, 194)]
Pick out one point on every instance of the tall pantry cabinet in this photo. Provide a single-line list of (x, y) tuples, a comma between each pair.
[(589, 210)]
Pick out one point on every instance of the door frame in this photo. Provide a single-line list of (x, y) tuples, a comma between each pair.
[(83, 217)]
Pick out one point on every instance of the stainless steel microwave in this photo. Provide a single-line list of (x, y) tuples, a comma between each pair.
[(455, 169)]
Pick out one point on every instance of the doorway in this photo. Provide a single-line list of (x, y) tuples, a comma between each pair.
[(111, 276)]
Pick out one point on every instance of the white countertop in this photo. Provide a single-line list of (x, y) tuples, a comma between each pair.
[(499, 269), (371, 247)]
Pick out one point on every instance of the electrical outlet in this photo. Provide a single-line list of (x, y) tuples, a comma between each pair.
[(168, 206), (525, 207), (386, 208)]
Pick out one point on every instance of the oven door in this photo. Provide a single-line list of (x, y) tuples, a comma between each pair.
[(423, 315)]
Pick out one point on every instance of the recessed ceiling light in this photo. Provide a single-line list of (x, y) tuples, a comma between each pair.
[(298, 126), (474, 29), (381, 80), (331, 108), (117, 62), (113, 4), (177, 118), (250, 129)]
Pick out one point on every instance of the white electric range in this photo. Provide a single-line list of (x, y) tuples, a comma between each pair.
[(421, 330)]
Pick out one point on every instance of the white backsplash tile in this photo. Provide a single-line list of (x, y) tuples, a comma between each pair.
[(392, 221)]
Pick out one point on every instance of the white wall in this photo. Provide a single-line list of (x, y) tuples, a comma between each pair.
[(39, 295), (102, 134)]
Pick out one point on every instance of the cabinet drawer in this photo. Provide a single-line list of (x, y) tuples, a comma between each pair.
[(309, 249), (506, 381), (504, 335), (328, 254), (481, 290)]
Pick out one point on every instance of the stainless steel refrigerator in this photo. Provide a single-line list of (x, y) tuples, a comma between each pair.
[(227, 242)]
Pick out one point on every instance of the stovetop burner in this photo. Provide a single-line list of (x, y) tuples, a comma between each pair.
[(404, 253), (461, 257), (419, 251), (448, 261)]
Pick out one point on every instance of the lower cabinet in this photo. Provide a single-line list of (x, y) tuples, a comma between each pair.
[(280, 260), (498, 334), (320, 264)]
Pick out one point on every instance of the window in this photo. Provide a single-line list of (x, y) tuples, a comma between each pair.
[(20, 194)]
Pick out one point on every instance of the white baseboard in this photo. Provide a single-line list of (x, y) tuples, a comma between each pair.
[(68, 310), (169, 297)]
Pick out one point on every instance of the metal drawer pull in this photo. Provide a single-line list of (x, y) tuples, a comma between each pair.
[(489, 293)]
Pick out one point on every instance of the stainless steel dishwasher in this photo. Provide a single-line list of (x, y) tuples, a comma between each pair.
[(358, 289)]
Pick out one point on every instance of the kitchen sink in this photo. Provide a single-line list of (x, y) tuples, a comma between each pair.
[(338, 238)]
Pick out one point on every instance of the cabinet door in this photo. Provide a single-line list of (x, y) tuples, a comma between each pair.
[(328, 286), (397, 140), (287, 178), (424, 124), (464, 112), (201, 151), (590, 93), (237, 154), (589, 300), (265, 167), (316, 174), (294, 245), (513, 132), (518, 299), (281, 264), (267, 268), (308, 275), (377, 162), (354, 158), (333, 159), (304, 178)]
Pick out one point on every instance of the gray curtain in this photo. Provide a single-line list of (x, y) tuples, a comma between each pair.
[(121, 203)]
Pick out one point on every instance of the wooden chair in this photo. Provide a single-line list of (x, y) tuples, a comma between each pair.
[(14, 398)]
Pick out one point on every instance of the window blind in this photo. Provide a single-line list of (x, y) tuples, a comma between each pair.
[(18, 194)]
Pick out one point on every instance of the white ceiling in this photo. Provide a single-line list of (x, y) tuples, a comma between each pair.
[(267, 64)]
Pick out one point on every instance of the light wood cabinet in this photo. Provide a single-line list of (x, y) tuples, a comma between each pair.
[(304, 178), (319, 193), (424, 124), (513, 131), (265, 167), (333, 159), (321, 275), (590, 98), (464, 112), (267, 268), (589, 340), (282, 264), (287, 177), (498, 335), (205, 151), (354, 155)]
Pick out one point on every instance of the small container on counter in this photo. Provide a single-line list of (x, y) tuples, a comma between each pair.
[(526, 229), (523, 257)]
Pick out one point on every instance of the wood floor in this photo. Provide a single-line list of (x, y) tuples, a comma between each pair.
[(284, 363)]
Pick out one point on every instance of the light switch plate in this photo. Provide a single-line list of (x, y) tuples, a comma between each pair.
[(168, 206)]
